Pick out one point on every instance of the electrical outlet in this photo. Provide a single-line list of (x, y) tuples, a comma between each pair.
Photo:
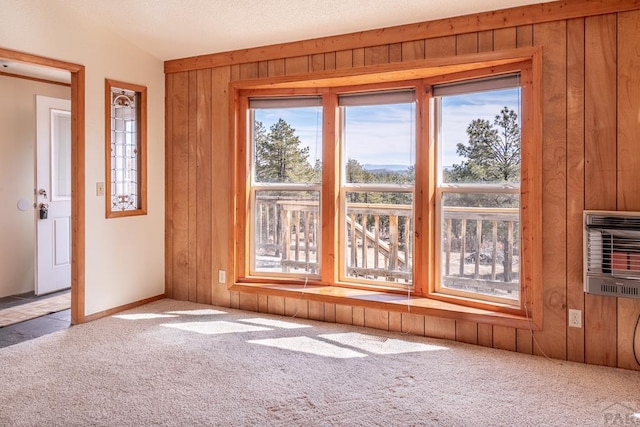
[(222, 276), (575, 318)]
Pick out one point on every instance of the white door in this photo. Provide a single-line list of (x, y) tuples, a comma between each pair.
[(53, 191)]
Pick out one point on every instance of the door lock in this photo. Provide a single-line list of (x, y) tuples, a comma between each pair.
[(42, 192), (44, 210)]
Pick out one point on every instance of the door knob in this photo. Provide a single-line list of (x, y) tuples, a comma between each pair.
[(42, 192)]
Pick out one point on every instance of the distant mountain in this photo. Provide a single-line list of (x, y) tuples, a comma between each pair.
[(384, 168)]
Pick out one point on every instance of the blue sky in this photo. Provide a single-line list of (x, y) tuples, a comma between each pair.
[(383, 135)]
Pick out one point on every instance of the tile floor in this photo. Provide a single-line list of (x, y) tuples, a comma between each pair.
[(33, 328)]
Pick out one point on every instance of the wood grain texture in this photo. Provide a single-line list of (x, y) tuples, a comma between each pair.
[(466, 44), (575, 181), (203, 185), (467, 332), (440, 46), (413, 50), (552, 338), (628, 167), (296, 65), (221, 235), (504, 338), (504, 38), (275, 305), (524, 36), (316, 310), (357, 314), (438, 327), (330, 312), (180, 177), (192, 186), (600, 316), (294, 307), (376, 318), (395, 321), (413, 324), (524, 341), (344, 314), (485, 335), (248, 302), (376, 55)]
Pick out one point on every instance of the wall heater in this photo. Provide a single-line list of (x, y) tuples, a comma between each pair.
[(612, 253)]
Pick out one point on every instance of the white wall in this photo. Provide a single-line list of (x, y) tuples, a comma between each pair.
[(17, 145), (124, 256)]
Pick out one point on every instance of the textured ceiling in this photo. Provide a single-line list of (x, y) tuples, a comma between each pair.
[(171, 29)]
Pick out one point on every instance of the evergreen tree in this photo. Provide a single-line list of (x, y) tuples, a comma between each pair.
[(279, 157), (492, 153)]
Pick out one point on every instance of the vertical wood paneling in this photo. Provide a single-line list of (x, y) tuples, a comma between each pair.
[(440, 46), (222, 183), (504, 338), (357, 316), (358, 57), (276, 68), (294, 307), (330, 61), (344, 314), (524, 341), (575, 181), (485, 41), (504, 38), (248, 302), (263, 69), (249, 71), (275, 305), (467, 332), (203, 186), (600, 170), (485, 335), (329, 312), (376, 55), (180, 177), (191, 188), (466, 44), (395, 321), (552, 337), (344, 59), (628, 165), (316, 63), (263, 303), (413, 324), (316, 310), (413, 50), (376, 318), (438, 327), (524, 36), (168, 190), (395, 52), (296, 65)]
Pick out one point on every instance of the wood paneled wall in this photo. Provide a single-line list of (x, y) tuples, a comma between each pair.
[(591, 153)]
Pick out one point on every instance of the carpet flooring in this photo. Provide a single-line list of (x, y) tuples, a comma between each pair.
[(172, 363)]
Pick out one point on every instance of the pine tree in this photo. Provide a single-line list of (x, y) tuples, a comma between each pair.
[(279, 157)]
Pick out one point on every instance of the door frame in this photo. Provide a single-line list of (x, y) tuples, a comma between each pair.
[(77, 172)]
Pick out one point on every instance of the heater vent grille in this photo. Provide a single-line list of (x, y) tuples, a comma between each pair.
[(612, 253)]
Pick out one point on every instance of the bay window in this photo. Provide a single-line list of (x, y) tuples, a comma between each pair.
[(425, 186)]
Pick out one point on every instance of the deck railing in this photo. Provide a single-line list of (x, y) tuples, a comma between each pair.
[(479, 245)]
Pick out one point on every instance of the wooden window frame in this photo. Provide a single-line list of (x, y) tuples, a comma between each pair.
[(141, 133), (422, 75)]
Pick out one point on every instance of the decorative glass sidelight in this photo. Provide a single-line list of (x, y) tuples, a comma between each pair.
[(126, 149)]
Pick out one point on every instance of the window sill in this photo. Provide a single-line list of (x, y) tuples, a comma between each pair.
[(387, 301)]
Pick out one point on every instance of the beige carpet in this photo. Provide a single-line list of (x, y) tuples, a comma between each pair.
[(31, 310), (174, 363)]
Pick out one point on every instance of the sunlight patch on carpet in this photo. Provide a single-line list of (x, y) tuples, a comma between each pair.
[(213, 328), (202, 312), (311, 346), (275, 323), (142, 316), (380, 345)]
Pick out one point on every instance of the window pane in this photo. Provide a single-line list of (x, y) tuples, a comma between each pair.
[(125, 191), (378, 237), (287, 144), (480, 252), (379, 143), (286, 237), (60, 154), (480, 137)]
